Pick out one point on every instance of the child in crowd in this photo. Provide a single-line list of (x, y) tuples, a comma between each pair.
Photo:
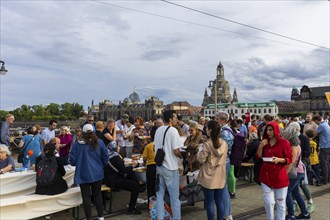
[(314, 160)]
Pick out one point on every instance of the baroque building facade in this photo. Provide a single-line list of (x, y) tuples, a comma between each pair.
[(132, 106), (311, 99), (220, 86)]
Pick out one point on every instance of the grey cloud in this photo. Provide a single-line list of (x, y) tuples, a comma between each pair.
[(159, 55), (159, 48)]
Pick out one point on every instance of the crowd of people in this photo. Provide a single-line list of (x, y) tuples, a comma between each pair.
[(295, 154)]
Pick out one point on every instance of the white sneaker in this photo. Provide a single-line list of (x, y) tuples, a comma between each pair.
[(230, 217), (141, 201), (101, 218), (48, 217)]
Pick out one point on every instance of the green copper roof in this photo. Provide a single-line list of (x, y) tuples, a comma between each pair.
[(243, 104)]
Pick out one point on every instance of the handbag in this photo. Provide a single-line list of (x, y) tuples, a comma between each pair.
[(160, 154), (21, 153), (293, 172), (257, 167)]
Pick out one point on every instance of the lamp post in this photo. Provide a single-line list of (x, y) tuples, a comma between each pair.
[(214, 84), (3, 72)]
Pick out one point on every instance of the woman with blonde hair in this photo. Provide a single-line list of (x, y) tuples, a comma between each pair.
[(65, 144), (192, 143)]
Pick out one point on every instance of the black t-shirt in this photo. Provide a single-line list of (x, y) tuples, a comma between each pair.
[(105, 131)]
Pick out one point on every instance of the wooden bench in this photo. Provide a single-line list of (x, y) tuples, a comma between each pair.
[(248, 166), (33, 206), (106, 190)]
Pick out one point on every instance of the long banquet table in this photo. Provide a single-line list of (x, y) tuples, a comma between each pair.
[(24, 183)]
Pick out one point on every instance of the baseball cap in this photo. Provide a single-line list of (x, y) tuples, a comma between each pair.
[(88, 128)]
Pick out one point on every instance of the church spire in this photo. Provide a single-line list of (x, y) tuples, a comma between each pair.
[(235, 99), (205, 93)]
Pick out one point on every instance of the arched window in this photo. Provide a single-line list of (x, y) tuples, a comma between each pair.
[(305, 105), (314, 105)]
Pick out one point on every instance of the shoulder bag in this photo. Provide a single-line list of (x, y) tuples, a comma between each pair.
[(160, 154), (293, 172)]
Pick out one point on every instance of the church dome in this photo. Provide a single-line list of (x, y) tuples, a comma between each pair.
[(128, 101), (135, 98)]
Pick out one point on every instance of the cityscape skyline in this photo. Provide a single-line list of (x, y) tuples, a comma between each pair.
[(60, 51)]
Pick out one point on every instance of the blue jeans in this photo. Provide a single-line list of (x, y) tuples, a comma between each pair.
[(211, 196), (168, 179), (293, 190), (225, 195)]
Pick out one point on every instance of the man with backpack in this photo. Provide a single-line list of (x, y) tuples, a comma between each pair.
[(5, 134)]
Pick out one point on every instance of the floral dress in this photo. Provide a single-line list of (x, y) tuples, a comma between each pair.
[(139, 141)]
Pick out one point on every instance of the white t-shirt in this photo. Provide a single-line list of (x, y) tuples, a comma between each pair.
[(172, 142), (120, 137), (128, 133), (47, 134)]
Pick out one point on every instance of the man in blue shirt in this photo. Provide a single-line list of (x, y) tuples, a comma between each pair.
[(323, 130)]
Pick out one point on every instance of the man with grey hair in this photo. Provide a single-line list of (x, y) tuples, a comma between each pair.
[(5, 134), (226, 134)]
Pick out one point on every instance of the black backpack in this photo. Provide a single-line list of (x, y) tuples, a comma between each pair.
[(47, 171)]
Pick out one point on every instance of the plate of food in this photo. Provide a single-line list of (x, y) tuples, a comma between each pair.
[(267, 159)]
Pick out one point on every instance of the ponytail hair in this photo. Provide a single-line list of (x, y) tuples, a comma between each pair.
[(215, 133)]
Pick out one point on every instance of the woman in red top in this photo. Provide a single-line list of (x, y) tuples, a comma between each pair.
[(273, 174)]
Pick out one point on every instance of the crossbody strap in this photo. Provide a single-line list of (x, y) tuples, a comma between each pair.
[(28, 143), (165, 135)]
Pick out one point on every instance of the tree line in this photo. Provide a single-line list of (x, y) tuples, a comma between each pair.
[(66, 111)]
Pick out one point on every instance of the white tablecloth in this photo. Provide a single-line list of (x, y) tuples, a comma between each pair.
[(33, 206), (24, 183)]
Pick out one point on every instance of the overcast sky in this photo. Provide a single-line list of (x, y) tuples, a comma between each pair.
[(79, 51)]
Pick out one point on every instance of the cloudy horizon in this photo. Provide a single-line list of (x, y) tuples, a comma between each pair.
[(79, 51)]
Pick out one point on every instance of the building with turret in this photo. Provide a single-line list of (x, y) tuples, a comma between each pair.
[(220, 89), (311, 99)]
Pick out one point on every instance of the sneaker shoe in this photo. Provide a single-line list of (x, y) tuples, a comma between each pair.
[(230, 217), (295, 205), (310, 207), (48, 217), (303, 216), (232, 195), (288, 217), (133, 212)]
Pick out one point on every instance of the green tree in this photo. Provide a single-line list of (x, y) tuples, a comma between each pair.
[(3, 114), (38, 110), (53, 109)]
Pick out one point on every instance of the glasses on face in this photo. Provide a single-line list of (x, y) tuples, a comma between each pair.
[(90, 120), (78, 131)]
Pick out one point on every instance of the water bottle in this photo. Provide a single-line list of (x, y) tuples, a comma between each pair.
[(28, 165)]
